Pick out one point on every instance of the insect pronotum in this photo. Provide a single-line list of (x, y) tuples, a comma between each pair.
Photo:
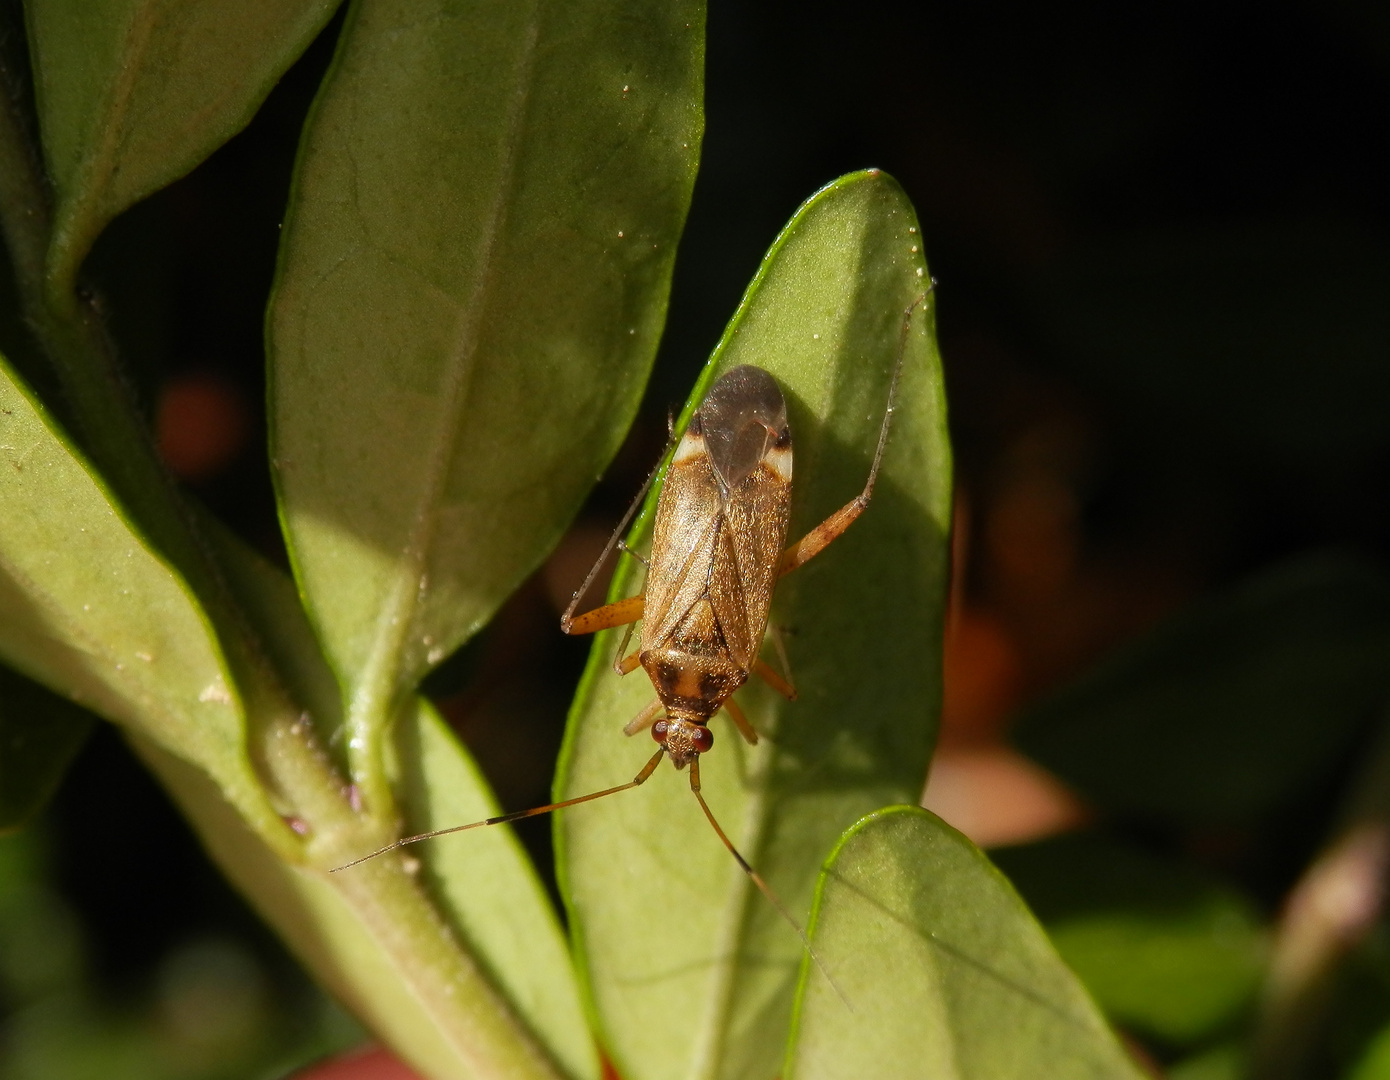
[(718, 549)]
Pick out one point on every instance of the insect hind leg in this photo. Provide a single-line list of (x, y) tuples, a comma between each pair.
[(819, 538)]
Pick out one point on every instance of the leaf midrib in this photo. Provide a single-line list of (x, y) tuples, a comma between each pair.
[(378, 688), (77, 225)]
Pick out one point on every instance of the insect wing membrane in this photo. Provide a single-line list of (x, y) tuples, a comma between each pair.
[(722, 519), (741, 418), (745, 564), (683, 541)]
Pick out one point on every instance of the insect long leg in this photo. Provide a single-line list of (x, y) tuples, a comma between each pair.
[(622, 546), (502, 819), (819, 538), (780, 648), (757, 880), (745, 729), (567, 620), (644, 719), (774, 680), (619, 613)]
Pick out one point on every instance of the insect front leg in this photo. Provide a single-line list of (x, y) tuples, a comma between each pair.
[(644, 719), (745, 729), (782, 681), (769, 675)]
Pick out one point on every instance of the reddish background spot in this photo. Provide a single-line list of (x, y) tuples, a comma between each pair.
[(201, 425)]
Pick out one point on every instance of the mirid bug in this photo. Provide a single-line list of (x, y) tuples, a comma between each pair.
[(718, 549)]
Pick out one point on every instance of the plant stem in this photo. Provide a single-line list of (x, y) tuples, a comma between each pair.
[(389, 920)]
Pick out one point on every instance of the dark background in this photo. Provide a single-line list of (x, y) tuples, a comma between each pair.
[(1162, 240)]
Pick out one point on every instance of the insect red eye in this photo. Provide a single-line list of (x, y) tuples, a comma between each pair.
[(659, 731), (702, 739)]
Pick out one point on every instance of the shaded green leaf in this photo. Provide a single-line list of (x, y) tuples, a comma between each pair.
[(40, 734), (1163, 950), (659, 909), (1374, 1063), (95, 615), (945, 974), (1225, 1062), (473, 281), (1233, 708), (132, 94), (483, 883)]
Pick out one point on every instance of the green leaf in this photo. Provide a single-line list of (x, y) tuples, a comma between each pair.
[(945, 974), (488, 887), (132, 94), (659, 909), (1225, 1062), (483, 883), (1374, 1063), (40, 734), (1164, 950), (94, 614), (1232, 709), (355, 949), (472, 284)]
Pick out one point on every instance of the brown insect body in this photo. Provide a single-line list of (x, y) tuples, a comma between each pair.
[(721, 524)]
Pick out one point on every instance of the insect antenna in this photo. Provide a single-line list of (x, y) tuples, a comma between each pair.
[(763, 886), (503, 819)]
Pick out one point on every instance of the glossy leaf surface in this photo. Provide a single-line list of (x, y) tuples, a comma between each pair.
[(96, 616), (1164, 950), (473, 280), (660, 910), (483, 883), (947, 974), (134, 93), (40, 734), (1230, 710)]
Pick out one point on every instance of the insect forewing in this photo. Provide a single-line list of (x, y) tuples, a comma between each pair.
[(687, 527), (723, 515)]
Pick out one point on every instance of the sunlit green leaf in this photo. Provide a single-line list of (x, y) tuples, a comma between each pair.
[(40, 733), (1233, 708), (483, 882), (943, 970), (1162, 949), (96, 616), (134, 93), (660, 911), (473, 280)]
